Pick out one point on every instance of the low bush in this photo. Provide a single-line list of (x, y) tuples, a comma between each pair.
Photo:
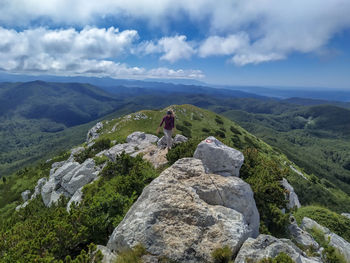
[(182, 150), (222, 255), (133, 255), (187, 123), (91, 151), (235, 131), (205, 130), (336, 223), (264, 176), (220, 134), (219, 120)]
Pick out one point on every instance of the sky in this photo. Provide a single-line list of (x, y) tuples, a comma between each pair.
[(282, 43)]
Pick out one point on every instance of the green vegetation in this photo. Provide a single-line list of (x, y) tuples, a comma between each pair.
[(222, 255), (264, 176), (132, 255), (91, 151), (336, 223), (182, 150), (329, 254), (38, 233), (281, 258)]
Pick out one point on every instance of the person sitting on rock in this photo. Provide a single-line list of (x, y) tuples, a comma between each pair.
[(169, 121)]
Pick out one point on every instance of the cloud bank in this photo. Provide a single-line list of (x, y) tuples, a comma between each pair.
[(91, 51), (243, 32)]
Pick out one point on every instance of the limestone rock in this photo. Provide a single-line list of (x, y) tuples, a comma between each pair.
[(219, 158), (141, 137), (346, 215), (93, 133), (39, 185), (334, 240), (266, 246), (67, 179), (25, 195), (74, 152), (179, 139), (76, 198), (301, 237), (108, 255), (292, 197), (176, 140), (155, 155), (185, 214)]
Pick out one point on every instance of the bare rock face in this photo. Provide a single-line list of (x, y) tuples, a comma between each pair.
[(346, 215), (108, 255), (141, 137), (219, 158), (336, 241), (265, 246), (25, 195), (178, 139), (67, 178), (301, 236), (291, 196), (185, 214), (93, 132)]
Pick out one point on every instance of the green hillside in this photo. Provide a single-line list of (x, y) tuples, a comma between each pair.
[(39, 119), (316, 138), (24, 237)]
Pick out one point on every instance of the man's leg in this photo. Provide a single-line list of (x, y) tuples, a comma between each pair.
[(167, 134)]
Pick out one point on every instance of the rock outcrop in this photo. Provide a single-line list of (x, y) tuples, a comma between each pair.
[(291, 196), (219, 158), (108, 255), (176, 140), (25, 195), (67, 178), (346, 215), (266, 246), (334, 240), (93, 133), (301, 237), (185, 214)]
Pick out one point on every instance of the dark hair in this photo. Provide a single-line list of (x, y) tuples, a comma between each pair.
[(169, 112)]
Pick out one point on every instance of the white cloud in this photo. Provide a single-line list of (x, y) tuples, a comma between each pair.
[(172, 48), (89, 52), (216, 45), (249, 31)]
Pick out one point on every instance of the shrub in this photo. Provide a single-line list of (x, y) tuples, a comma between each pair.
[(184, 130), (205, 130), (187, 123), (336, 223), (264, 176), (196, 118), (222, 255), (220, 134), (237, 142), (132, 255), (234, 130), (182, 150), (223, 129), (91, 151), (219, 120)]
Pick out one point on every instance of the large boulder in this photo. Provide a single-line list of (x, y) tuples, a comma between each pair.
[(266, 246), (301, 237), (76, 198), (39, 185), (219, 158), (291, 196), (185, 214), (335, 241)]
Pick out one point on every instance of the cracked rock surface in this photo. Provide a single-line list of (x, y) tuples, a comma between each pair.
[(185, 214)]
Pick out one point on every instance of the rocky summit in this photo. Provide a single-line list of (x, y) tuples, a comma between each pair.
[(186, 213)]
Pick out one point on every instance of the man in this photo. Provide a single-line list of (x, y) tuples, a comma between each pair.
[(169, 125)]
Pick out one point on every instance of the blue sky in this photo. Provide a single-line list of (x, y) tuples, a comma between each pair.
[(251, 42)]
